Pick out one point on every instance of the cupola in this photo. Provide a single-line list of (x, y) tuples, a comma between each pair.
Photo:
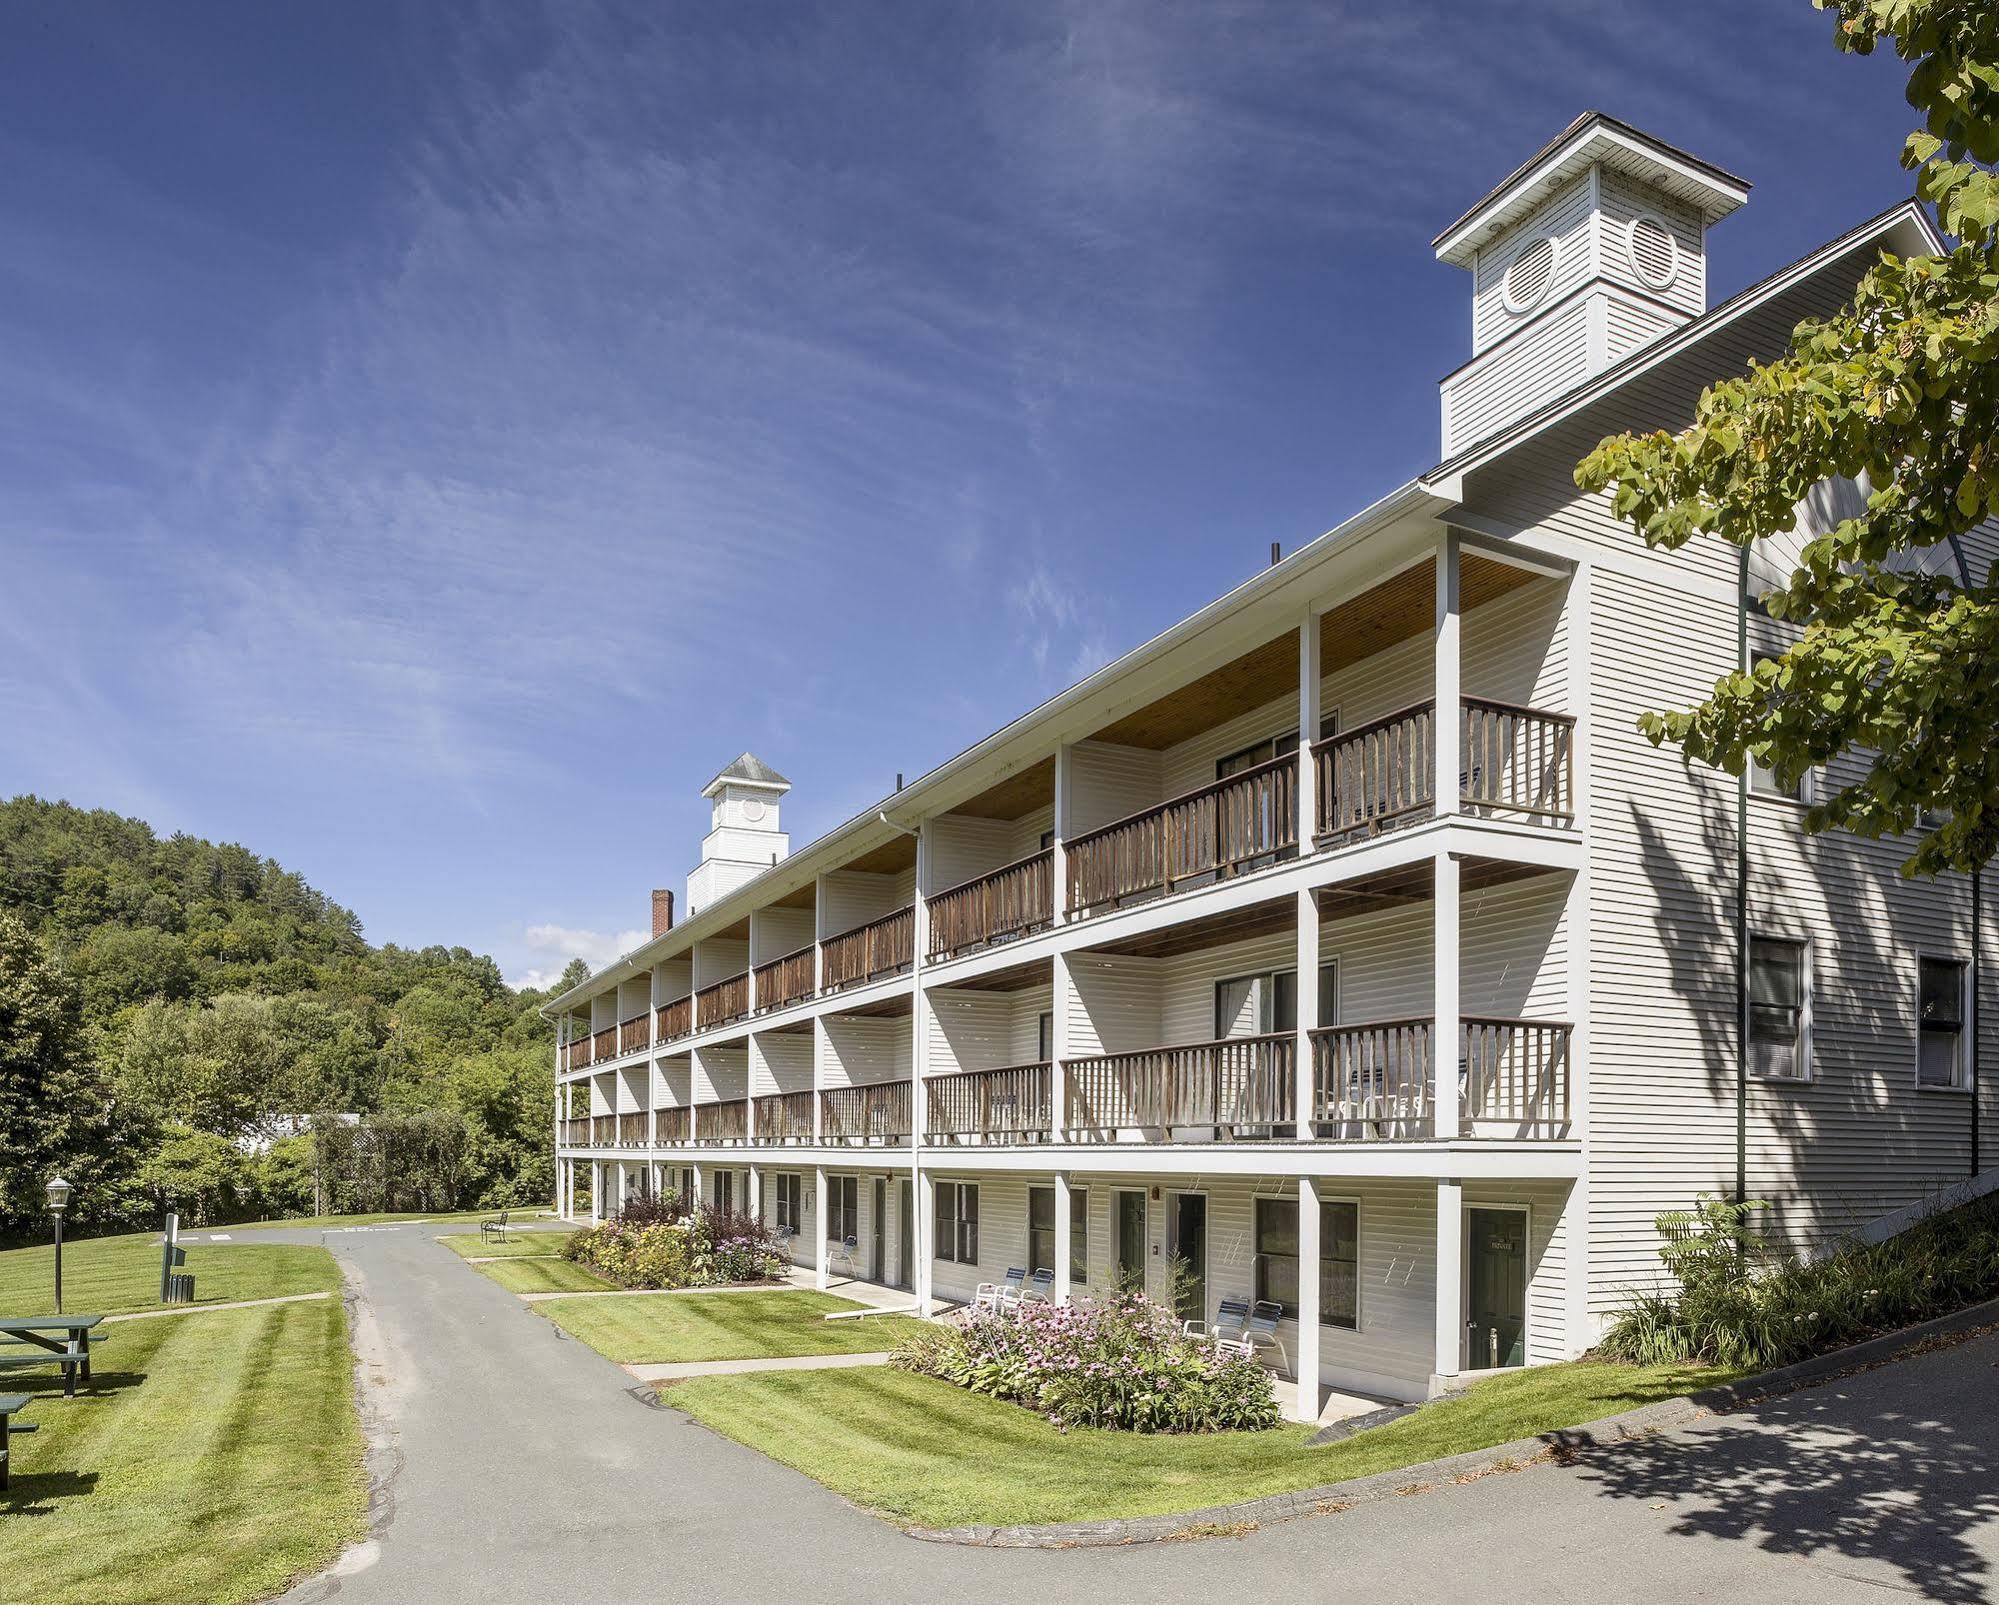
[(744, 838), (1593, 247)]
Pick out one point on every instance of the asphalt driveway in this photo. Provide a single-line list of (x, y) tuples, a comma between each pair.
[(515, 1464)]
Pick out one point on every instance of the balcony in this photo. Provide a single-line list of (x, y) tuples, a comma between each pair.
[(604, 1045), (1377, 1082), (784, 980), (576, 1133), (784, 1117), (989, 1107), (675, 1019), (1236, 1087), (875, 1116), (671, 1126), (603, 1131), (996, 907), (881, 947), (634, 1035), (722, 1122), (1243, 822), (1380, 775), (633, 1130), (724, 1002), (576, 1055)]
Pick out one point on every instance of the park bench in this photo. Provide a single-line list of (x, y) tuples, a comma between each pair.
[(66, 1340), (11, 1404), (494, 1228)]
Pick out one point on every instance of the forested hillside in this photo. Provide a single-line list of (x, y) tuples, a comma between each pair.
[(173, 1012)]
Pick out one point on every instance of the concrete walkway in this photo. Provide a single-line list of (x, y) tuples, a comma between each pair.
[(680, 1371), (204, 1309), (515, 1463)]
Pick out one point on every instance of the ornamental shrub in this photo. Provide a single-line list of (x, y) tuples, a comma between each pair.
[(658, 1243), (1119, 1362)]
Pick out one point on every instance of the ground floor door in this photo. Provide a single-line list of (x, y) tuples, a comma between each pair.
[(1495, 1288), (878, 1234), (905, 1254), (843, 1218), (725, 1191), (1188, 1246)]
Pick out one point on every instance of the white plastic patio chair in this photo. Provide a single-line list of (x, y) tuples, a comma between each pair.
[(1003, 1295)]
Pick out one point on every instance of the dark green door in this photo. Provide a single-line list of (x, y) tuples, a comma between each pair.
[(905, 1216), (1496, 1288), (1189, 1249)]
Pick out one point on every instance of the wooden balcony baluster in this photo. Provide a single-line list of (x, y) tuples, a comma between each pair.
[(875, 1115), (722, 1122), (1007, 902), (1004, 1106), (784, 1117), (784, 980), (671, 1126), (1238, 1086), (634, 1034), (1518, 761), (723, 1002), (1243, 822), (675, 1019), (881, 947)]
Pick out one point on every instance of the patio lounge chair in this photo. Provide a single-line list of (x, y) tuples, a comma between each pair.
[(1261, 1332), (1040, 1285), (1001, 1296), (1230, 1325)]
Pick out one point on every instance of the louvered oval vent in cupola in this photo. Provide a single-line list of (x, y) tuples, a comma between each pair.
[(1588, 251)]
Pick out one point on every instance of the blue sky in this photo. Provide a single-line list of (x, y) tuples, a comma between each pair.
[(434, 439)]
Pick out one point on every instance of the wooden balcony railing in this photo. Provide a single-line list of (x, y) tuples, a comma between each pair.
[(576, 1133), (634, 1034), (577, 1055), (784, 1117), (671, 1126), (603, 1131), (633, 1131), (1008, 902), (604, 1045), (870, 1116), (785, 980), (1240, 1086), (881, 947), (1243, 822), (1378, 1081), (722, 1122), (724, 1001), (1382, 774), (1010, 1105), (675, 1019)]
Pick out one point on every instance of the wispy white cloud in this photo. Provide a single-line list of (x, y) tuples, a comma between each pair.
[(548, 949)]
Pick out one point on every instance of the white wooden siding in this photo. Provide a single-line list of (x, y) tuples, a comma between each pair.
[(1623, 200), (865, 1049), (1535, 365), (780, 1061), (1567, 216)]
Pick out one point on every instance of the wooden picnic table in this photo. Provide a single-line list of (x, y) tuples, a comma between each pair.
[(11, 1404), (67, 1337)]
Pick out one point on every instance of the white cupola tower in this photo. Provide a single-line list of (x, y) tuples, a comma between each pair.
[(1595, 246), (744, 838)]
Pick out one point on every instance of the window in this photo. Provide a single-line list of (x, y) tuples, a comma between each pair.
[(1253, 1005), (725, 1191), (1044, 1037), (1041, 1232), (1339, 1259), (1940, 1036), (1779, 1024), (687, 1185), (843, 1209), (958, 1222), (1131, 1239), (1763, 781), (1281, 745), (790, 1218)]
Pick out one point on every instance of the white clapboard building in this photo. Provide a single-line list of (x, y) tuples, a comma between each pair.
[(1346, 945)]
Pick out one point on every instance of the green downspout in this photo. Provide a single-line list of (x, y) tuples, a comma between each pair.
[(1742, 906)]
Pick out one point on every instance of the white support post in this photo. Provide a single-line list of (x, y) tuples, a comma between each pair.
[(822, 1051), (1062, 1230), (1309, 717), (1444, 1028), (1059, 829), (1450, 1276), (1576, 951), (1308, 1299), (823, 1228), (753, 1188), (1448, 787), (818, 934), (925, 1240), (1061, 1000), (596, 1192), (1304, 1071), (920, 1019)]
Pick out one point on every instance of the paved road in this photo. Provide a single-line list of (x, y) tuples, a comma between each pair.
[(520, 1466)]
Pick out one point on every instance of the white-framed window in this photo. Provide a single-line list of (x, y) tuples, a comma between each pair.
[(1941, 1041), (843, 1209), (1339, 1258), (1763, 780), (1281, 745), (958, 1222), (1256, 1005), (1780, 1012), (790, 1217), (1041, 1232)]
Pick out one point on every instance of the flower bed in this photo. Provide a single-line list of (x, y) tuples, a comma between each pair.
[(1120, 1362), (660, 1243)]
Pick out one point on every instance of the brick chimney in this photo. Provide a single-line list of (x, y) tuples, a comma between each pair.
[(662, 910)]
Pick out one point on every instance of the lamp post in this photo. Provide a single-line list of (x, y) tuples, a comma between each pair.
[(58, 1200)]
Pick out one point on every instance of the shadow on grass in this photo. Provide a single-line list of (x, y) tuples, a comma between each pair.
[(47, 1392), (36, 1493), (1821, 1476)]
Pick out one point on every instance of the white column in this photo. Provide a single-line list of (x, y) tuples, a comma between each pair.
[(1576, 950), (822, 1051), (1308, 1299), (1308, 1010), (823, 1226), (920, 1017), (1062, 1228), (1059, 880), (1061, 1001), (1450, 1276), (753, 1192), (1308, 730), (596, 1192), (925, 1240), (1449, 786), (1444, 969)]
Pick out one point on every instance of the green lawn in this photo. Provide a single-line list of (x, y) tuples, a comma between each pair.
[(670, 1327), (108, 1275), (443, 1219), (470, 1245), (927, 1454), (522, 1275), (217, 1458)]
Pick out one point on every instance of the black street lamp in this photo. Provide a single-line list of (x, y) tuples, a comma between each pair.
[(59, 1191)]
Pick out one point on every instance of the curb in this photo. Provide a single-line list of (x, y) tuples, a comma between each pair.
[(1662, 1415)]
